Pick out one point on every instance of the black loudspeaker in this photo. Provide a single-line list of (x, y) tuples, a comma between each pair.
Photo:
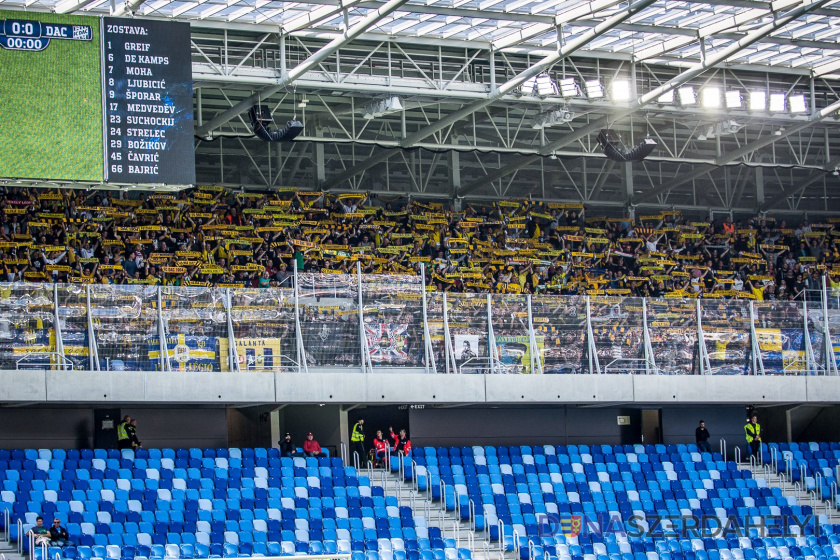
[(610, 142), (262, 123)]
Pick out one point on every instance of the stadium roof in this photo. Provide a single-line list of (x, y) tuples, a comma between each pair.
[(674, 30), (458, 67)]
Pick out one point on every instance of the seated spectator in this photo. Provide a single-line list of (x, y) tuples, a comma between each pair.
[(381, 450), (311, 447), (41, 533), (287, 447), (58, 534), (401, 442)]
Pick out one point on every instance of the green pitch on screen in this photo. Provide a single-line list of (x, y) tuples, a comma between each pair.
[(51, 106)]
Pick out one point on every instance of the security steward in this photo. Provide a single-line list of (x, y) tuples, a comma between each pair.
[(752, 429), (357, 441), (123, 439)]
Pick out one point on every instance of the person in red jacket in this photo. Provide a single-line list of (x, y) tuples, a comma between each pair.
[(401, 442), (380, 449), (311, 447)]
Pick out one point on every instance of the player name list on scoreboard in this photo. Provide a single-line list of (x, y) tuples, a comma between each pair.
[(148, 124)]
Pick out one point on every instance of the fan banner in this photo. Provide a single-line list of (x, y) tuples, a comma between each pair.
[(252, 353), (513, 353), (186, 352), (388, 343)]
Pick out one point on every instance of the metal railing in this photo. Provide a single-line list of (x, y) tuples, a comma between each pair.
[(44, 360), (379, 322)]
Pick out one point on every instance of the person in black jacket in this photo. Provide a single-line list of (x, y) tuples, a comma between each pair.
[(287, 447), (131, 429), (58, 534), (701, 435)]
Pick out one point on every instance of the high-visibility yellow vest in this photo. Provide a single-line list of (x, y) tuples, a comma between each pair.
[(753, 432), (122, 433), (358, 434)]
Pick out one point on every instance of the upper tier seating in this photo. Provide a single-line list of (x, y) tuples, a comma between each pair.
[(516, 246)]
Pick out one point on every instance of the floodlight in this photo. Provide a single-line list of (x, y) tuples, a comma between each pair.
[(594, 89), (733, 99), (666, 98), (758, 100), (621, 90), (797, 104), (687, 95), (777, 102), (711, 97), (545, 85), (529, 85), (568, 87)]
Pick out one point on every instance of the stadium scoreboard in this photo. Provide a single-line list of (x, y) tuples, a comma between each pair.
[(117, 92)]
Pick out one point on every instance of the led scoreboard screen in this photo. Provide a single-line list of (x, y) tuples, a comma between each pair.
[(95, 99)]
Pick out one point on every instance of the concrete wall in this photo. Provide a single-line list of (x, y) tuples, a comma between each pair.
[(824, 427), (250, 426), (522, 426), (410, 388), (723, 422), (180, 427), (323, 421), (69, 428), (53, 428)]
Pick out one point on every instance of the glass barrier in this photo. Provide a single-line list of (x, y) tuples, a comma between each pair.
[(118, 328), (511, 336), (437, 334), (780, 333), (393, 315), (329, 318), (618, 331), (27, 327), (726, 332), (468, 332), (194, 324), (672, 327), (561, 322), (263, 323), (125, 326), (73, 324)]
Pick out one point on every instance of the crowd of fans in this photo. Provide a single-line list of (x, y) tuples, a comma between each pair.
[(210, 236)]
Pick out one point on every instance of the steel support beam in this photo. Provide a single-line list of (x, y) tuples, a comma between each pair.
[(370, 20), (70, 6), (729, 157), (537, 68), (529, 32), (689, 74), (496, 94), (793, 190), (767, 140)]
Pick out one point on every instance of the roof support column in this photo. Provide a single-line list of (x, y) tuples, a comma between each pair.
[(372, 18), (692, 72)]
